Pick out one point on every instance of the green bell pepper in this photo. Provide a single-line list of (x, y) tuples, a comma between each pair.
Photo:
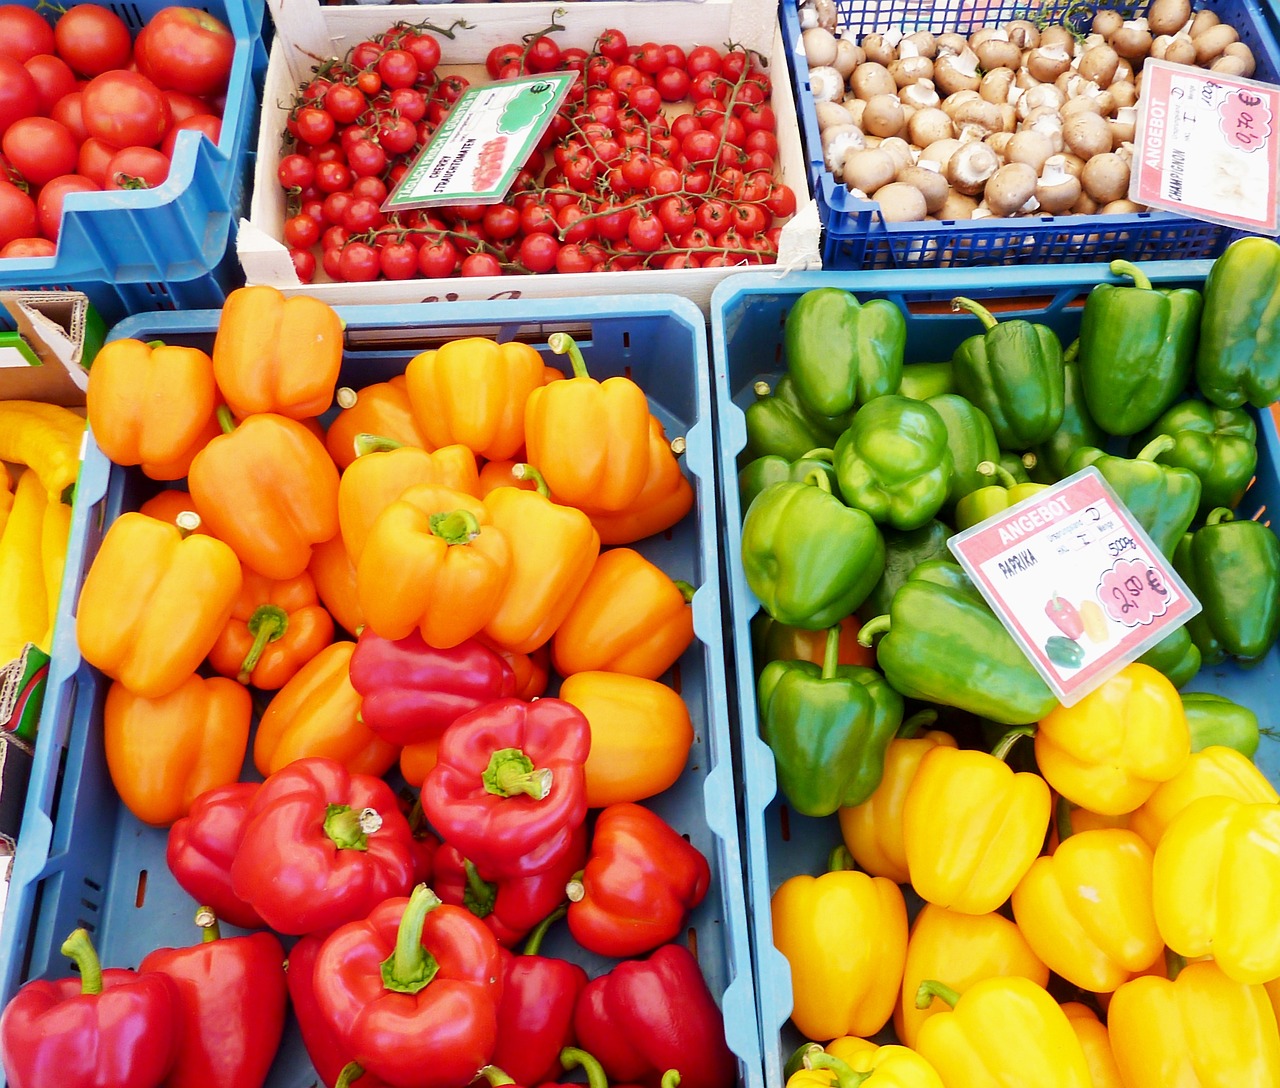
[(1197, 627), (1215, 719), (779, 424), (993, 499), (1013, 372), (1237, 360), (1176, 656), (828, 728), (1163, 498), (1077, 428), (756, 475), (942, 644), (841, 352), (920, 381), (1218, 444), (1237, 569), (1137, 346), (903, 552), (894, 462), (809, 559), (970, 439)]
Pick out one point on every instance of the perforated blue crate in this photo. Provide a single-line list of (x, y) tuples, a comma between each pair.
[(747, 317), (82, 859), (854, 234), (165, 248)]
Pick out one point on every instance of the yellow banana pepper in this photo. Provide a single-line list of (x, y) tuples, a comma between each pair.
[(1110, 751), (845, 936), (959, 949), (1086, 910), (971, 827), (1096, 1044), (45, 438), (1001, 1032), (6, 497), (55, 532), (1202, 1030), (25, 615), (1212, 772), (1216, 883), (858, 1063)]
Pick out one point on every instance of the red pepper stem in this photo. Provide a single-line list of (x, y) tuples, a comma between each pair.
[(915, 723), (455, 526), (840, 860), (980, 312), (1156, 447), (1062, 819), (573, 1058), (564, 344), (831, 655), (671, 1079), (268, 623), (1004, 478), (374, 443), (79, 949), (351, 1072), (495, 1076), (523, 471), (1005, 745), (931, 988), (207, 920), (869, 630), (480, 894), (511, 773), (686, 589), (846, 1076), (534, 943), (411, 967), (350, 829), (225, 419), (1218, 515), (1128, 268)]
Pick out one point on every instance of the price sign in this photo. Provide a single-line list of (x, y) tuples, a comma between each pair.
[(1208, 146), (1077, 581)]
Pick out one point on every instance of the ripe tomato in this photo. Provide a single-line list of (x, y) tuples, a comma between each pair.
[(372, 187), (675, 56), (304, 264), (398, 69), (672, 83), (502, 55), (333, 177), (645, 231), (646, 101), (126, 109), (296, 172), (91, 162), (204, 123), (713, 217), (613, 44), (365, 54), (186, 49), (183, 105), (93, 40), (685, 124), (574, 258), (398, 136), (681, 260), (704, 58), (398, 260), (17, 214), (664, 179), (24, 33), (481, 264), (358, 262), (409, 104), (301, 232), (314, 125), (599, 69), (49, 207), (137, 168), (760, 139), (19, 95), (29, 247), (650, 58), (501, 222), (781, 201), (538, 252), (424, 49), (625, 78), (612, 225), (67, 111), (54, 79), (438, 259), (39, 148), (543, 56), (345, 103), (677, 215)]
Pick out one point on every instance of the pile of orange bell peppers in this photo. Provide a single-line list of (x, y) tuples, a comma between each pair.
[(1129, 941)]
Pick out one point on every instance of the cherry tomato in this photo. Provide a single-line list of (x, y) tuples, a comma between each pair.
[(125, 109), (733, 65), (40, 149), (424, 49), (19, 95), (781, 201), (137, 168), (645, 231), (574, 59), (398, 260), (304, 264), (759, 139), (205, 123), (502, 55), (186, 49), (438, 259), (728, 128), (329, 152), (345, 103), (625, 78), (599, 68), (650, 58), (709, 85), (54, 79), (335, 238), (398, 136), (398, 69), (697, 181), (758, 185), (713, 217), (301, 232), (646, 101), (538, 252), (481, 264), (704, 58), (675, 56), (543, 56), (700, 146), (332, 177), (369, 82), (358, 262), (672, 84), (363, 215), (501, 222), (664, 179), (372, 187), (677, 215), (365, 54), (748, 219), (296, 172), (574, 258), (757, 117), (612, 225), (573, 226), (366, 157), (612, 43), (52, 195), (330, 261), (29, 247), (685, 124), (315, 125), (681, 260), (409, 104)]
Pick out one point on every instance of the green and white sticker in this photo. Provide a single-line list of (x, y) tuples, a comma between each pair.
[(476, 153)]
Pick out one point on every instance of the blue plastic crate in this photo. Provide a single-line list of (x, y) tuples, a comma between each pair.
[(83, 859), (747, 317), (855, 236), (165, 248)]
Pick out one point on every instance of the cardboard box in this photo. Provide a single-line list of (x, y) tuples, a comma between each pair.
[(306, 32), (47, 358)]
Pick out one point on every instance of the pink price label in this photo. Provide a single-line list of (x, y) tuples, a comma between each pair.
[(1246, 120), (1133, 592)]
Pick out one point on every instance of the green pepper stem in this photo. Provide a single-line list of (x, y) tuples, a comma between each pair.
[(524, 471), (346, 397), (225, 419), (411, 967), (534, 944), (495, 1076), (1062, 819), (819, 479), (846, 1076), (822, 453), (931, 988), (1218, 515), (1072, 352), (916, 722), (1003, 475), (671, 1079), (1156, 447), (761, 389), (831, 655), (79, 949), (687, 589), (187, 521), (511, 772), (374, 443), (980, 312), (480, 895), (564, 344), (268, 623), (840, 860), (207, 920), (1005, 744), (573, 1058), (877, 626), (1029, 460), (351, 1072), (454, 527), (1173, 963), (349, 829), (1128, 268)]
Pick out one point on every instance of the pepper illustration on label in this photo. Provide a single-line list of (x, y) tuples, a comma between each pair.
[(1095, 621), (1065, 617), (1064, 652)]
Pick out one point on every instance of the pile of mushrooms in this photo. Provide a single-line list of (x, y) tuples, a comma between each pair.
[(1011, 120)]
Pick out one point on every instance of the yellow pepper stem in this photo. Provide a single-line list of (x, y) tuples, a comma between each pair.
[(840, 860), (525, 471), (1173, 963), (564, 344), (374, 443), (1005, 745), (455, 526), (1062, 818), (225, 419), (915, 723), (931, 988), (846, 1076)]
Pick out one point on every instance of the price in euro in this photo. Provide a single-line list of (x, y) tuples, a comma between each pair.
[(1133, 592)]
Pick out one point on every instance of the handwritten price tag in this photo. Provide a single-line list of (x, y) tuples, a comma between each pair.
[(1077, 582)]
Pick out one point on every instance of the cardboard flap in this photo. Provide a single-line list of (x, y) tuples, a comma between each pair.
[(64, 332)]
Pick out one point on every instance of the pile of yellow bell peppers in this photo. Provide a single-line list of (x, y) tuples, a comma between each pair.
[(1132, 942)]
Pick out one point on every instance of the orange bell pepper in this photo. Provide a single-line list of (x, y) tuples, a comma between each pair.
[(274, 629), (166, 505), (164, 753), (640, 735), (588, 438), (774, 641), (1092, 1035), (416, 760), (152, 405), (383, 409), (555, 548), (667, 496), (381, 474), (433, 561), (960, 950), (275, 354), (473, 391), (502, 474), (317, 713), (269, 489), (335, 577), (533, 670), (630, 617), (153, 603)]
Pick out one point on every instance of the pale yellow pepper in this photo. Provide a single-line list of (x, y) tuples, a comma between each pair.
[(25, 615)]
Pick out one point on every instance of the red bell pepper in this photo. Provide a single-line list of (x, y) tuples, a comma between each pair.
[(322, 846), (202, 846), (535, 1015), (508, 788), (425, 844), (639, 883), (1064, 616), (648, 1016), (509, 906), (104, 1029), (412, 991), (411, 692), (233, 995)]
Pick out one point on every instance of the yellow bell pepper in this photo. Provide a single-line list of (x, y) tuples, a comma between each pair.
[(858, 1063), (1202, 1030), (1086, 910), (1096, 1044), (960, 950), (55, 534), (971, 827), (1002, 1032), (845, 936), (1216, 883), (1212, 772), (873, 830), (1110, 751), (25, 615), (44, 437)]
